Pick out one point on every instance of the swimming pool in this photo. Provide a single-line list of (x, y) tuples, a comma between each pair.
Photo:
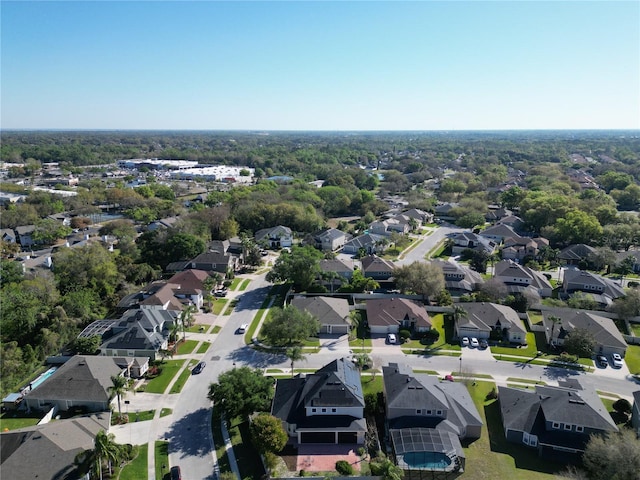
[(427, 460), (43, 377)]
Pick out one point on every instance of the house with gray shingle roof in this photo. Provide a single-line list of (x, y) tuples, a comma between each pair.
[(331, 312), (334, 272), (322, 407), (139, 333), (608, 338), (574, 254), (369, 242), (604, 289), (389, 315), (275, 237), (635, 413), (468, 240), (458, 278), (49, 451), (519, 279), (556, 421), (8, 235), (428, 418), (330, 239), (485, 319), (83, 381)]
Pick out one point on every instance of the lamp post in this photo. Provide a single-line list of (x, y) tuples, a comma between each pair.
[(460, 364)]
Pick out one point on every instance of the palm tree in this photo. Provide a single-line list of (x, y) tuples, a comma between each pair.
[(295, 354), (458, 313), (389, 470), (119, 388), (186, 317), (106, 449)]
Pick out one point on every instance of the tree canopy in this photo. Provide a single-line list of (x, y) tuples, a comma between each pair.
[(301, 267), (289, 326), (423, 278), (241, 391)]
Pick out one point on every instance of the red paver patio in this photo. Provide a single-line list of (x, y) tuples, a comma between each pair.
[(323, 458)]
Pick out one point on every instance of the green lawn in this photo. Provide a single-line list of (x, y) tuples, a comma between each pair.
[(184, 348), (492, 457), (166, 411), (231, 306), (219, 305), (182, 379), (161, 382), (247, 456), (135, 416), (221, 452), (636, 328), (371, 383), (161, 458), (137, 468), (445, 328), (216, 329), (204, 347), (198, 328), (535, 317), (234, 284), (632, 358), (13, 421), (245, 284), (530, 350)]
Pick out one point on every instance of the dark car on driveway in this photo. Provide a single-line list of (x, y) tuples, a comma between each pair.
[(198, 368), (602, 362)]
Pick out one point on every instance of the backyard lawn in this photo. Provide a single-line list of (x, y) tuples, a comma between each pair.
[(161, 382), (13, 421), (491, 456)]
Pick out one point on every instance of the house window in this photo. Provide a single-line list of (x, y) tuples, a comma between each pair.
[(418, 412), (428, 412), (567, 426), (579, 428), (555, 425), (314, 410), (439, 412), (324, 410), (333, 410)]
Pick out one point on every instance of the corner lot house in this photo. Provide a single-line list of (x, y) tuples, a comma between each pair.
[(608, 338), (459, 279), (332, 313), (83, 381), (484, 320), (557, 421), (427, 419), (389, 315), (323, 407)]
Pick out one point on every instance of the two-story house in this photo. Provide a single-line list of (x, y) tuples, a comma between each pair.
[(556, 421), (335, 271), (369, 242), (275, 237), (322, 407), (485, 320), (468, 240), (459, 279), (389, 315), (331, 239), (427, 419), (519, 279)]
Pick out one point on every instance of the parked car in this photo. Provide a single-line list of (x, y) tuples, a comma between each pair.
[(617, 360), (175, 473), (391, 339), (220, 293), (473, 343), (243, 328), (602, 362), (465, 341), (198, 368), (483, 343)]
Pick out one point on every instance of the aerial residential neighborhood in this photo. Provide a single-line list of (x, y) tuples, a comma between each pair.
[(394, 332)]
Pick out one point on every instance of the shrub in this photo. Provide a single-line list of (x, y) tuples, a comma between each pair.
[(404, 334), (344, 468), (622, 406), (493, 394)]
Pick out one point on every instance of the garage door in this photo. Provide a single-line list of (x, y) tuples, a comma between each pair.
[(347, 437), (318, 437)]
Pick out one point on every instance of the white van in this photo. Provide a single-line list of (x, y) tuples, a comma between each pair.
[(243, 328)]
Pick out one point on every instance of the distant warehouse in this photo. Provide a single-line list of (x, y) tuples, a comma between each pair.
[(188, 170)]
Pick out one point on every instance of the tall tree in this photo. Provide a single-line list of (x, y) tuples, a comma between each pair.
[(106, 450), (423, 278), (295, 354), (267, 433), (119, 387), (289, 326), (613, 456), (241, 391), (301, 267)]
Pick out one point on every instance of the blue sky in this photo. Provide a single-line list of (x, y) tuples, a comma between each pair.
[(421, 65)]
